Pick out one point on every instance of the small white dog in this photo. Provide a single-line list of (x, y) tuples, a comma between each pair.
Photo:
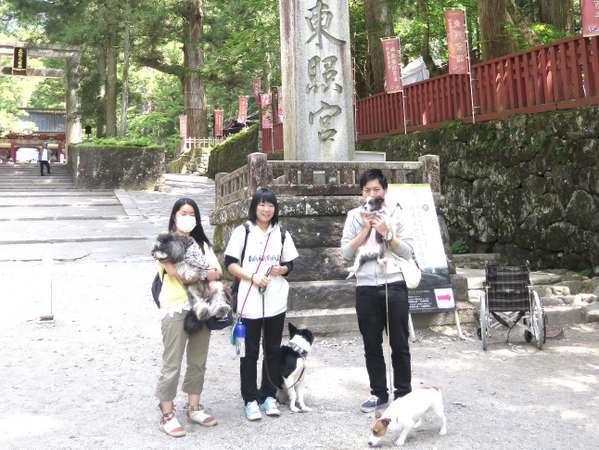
[(405, 414)]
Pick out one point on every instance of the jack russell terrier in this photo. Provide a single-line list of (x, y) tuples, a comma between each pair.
[(405, 414)]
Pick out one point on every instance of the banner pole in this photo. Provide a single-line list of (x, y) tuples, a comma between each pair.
[(403, 97), (469, 67)]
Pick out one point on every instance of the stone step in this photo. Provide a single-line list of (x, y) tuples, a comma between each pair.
[(70, 193), (475, 260), (476, 277), (61, 212), (57, 201), (343, 320)]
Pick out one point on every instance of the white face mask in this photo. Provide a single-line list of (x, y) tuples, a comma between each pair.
[(185, 223)]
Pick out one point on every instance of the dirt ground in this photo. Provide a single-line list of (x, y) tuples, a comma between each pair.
[(87, 380)]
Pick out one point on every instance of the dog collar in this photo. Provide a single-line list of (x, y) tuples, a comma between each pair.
[(297, 348)]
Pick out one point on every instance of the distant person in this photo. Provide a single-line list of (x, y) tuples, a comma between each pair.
[(44, 159)]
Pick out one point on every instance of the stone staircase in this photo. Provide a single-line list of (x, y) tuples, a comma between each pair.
[(48, 218), (26, 178)]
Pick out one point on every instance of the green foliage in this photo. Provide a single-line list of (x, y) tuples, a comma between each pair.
[(459, 247), (127, 142), (232, 153), (49, 94)]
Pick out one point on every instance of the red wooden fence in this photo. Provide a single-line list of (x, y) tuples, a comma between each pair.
[(561, 75)]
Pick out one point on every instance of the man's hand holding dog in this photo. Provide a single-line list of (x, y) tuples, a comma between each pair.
[(379, 225)]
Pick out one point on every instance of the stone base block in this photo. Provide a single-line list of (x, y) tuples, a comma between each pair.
[(322, 294)]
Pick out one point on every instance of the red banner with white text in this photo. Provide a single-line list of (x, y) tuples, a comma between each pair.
[(392, 57), (257, 89), (266, 110), (242, 111), (457, 45), (590, 17), (183, 126), (280, 104), (218, 122)]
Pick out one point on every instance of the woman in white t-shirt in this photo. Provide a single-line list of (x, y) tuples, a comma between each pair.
[(262, 297)]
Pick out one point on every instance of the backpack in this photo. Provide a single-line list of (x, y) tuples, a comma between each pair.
[(237, 280), (156, 288)]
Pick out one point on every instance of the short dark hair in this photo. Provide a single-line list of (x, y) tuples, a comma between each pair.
[(263, 195), (373, 174), (198, 232)]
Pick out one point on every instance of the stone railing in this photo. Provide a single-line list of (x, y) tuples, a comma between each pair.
[(312, 178)]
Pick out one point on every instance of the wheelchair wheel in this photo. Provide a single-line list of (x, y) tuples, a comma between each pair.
[(538, 328), (484, 323)]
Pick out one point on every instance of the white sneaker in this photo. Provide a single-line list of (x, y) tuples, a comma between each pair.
[(252, 411)]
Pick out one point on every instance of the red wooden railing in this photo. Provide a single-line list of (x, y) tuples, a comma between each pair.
[(272, 138), (560, 75)]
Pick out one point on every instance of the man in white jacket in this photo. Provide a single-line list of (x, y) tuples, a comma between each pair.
[(371, 278), (44, 159)]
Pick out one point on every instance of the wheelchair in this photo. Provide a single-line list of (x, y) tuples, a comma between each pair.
[(509, 298)]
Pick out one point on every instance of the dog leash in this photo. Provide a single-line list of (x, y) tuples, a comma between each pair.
[(388, 350)]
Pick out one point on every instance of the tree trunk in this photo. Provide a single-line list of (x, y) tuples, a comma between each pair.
[(495, 38), (193, 87), (125, 86), (557, 13), (379, 24), (520, 21), (101, 97), (425, 50), (111, 81)]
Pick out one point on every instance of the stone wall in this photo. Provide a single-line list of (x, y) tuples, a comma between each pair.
[(526, 187), (114, 167)]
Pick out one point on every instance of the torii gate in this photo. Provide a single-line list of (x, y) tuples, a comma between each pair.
[(72, 56)]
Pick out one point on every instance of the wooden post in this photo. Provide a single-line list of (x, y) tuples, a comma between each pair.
[(431, 171), (73, 122), (258, 175)]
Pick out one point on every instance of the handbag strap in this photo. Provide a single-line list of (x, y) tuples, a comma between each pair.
[(252, 278)]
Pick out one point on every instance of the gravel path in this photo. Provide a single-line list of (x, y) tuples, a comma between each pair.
[(88, 380)]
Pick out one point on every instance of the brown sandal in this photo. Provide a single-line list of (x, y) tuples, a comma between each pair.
[(199, 415), (170, 425)]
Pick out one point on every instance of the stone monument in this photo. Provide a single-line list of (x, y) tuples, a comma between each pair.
[(317, 80)]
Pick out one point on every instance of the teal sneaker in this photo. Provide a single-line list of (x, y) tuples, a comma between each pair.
[(252, 411), (270, 407)]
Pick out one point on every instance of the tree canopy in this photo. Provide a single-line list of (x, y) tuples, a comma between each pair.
[(159, 59)]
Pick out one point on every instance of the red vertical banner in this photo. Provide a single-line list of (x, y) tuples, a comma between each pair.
[(183, 126), (280, 104), (266, 110), (218, 122), (457, 45), (257, 89), (392, 56), (590, 17), (242, 112)]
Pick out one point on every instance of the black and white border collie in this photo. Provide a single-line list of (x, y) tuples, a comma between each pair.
[(293, 368)]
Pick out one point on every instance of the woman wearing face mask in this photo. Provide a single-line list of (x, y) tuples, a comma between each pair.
[(261, 264), (184, 220)]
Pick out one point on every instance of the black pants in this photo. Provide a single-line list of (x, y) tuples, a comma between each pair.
[(42, 165), (371, 312), (271, 343)]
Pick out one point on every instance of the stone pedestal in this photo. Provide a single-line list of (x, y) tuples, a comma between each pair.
[(314, 213)]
